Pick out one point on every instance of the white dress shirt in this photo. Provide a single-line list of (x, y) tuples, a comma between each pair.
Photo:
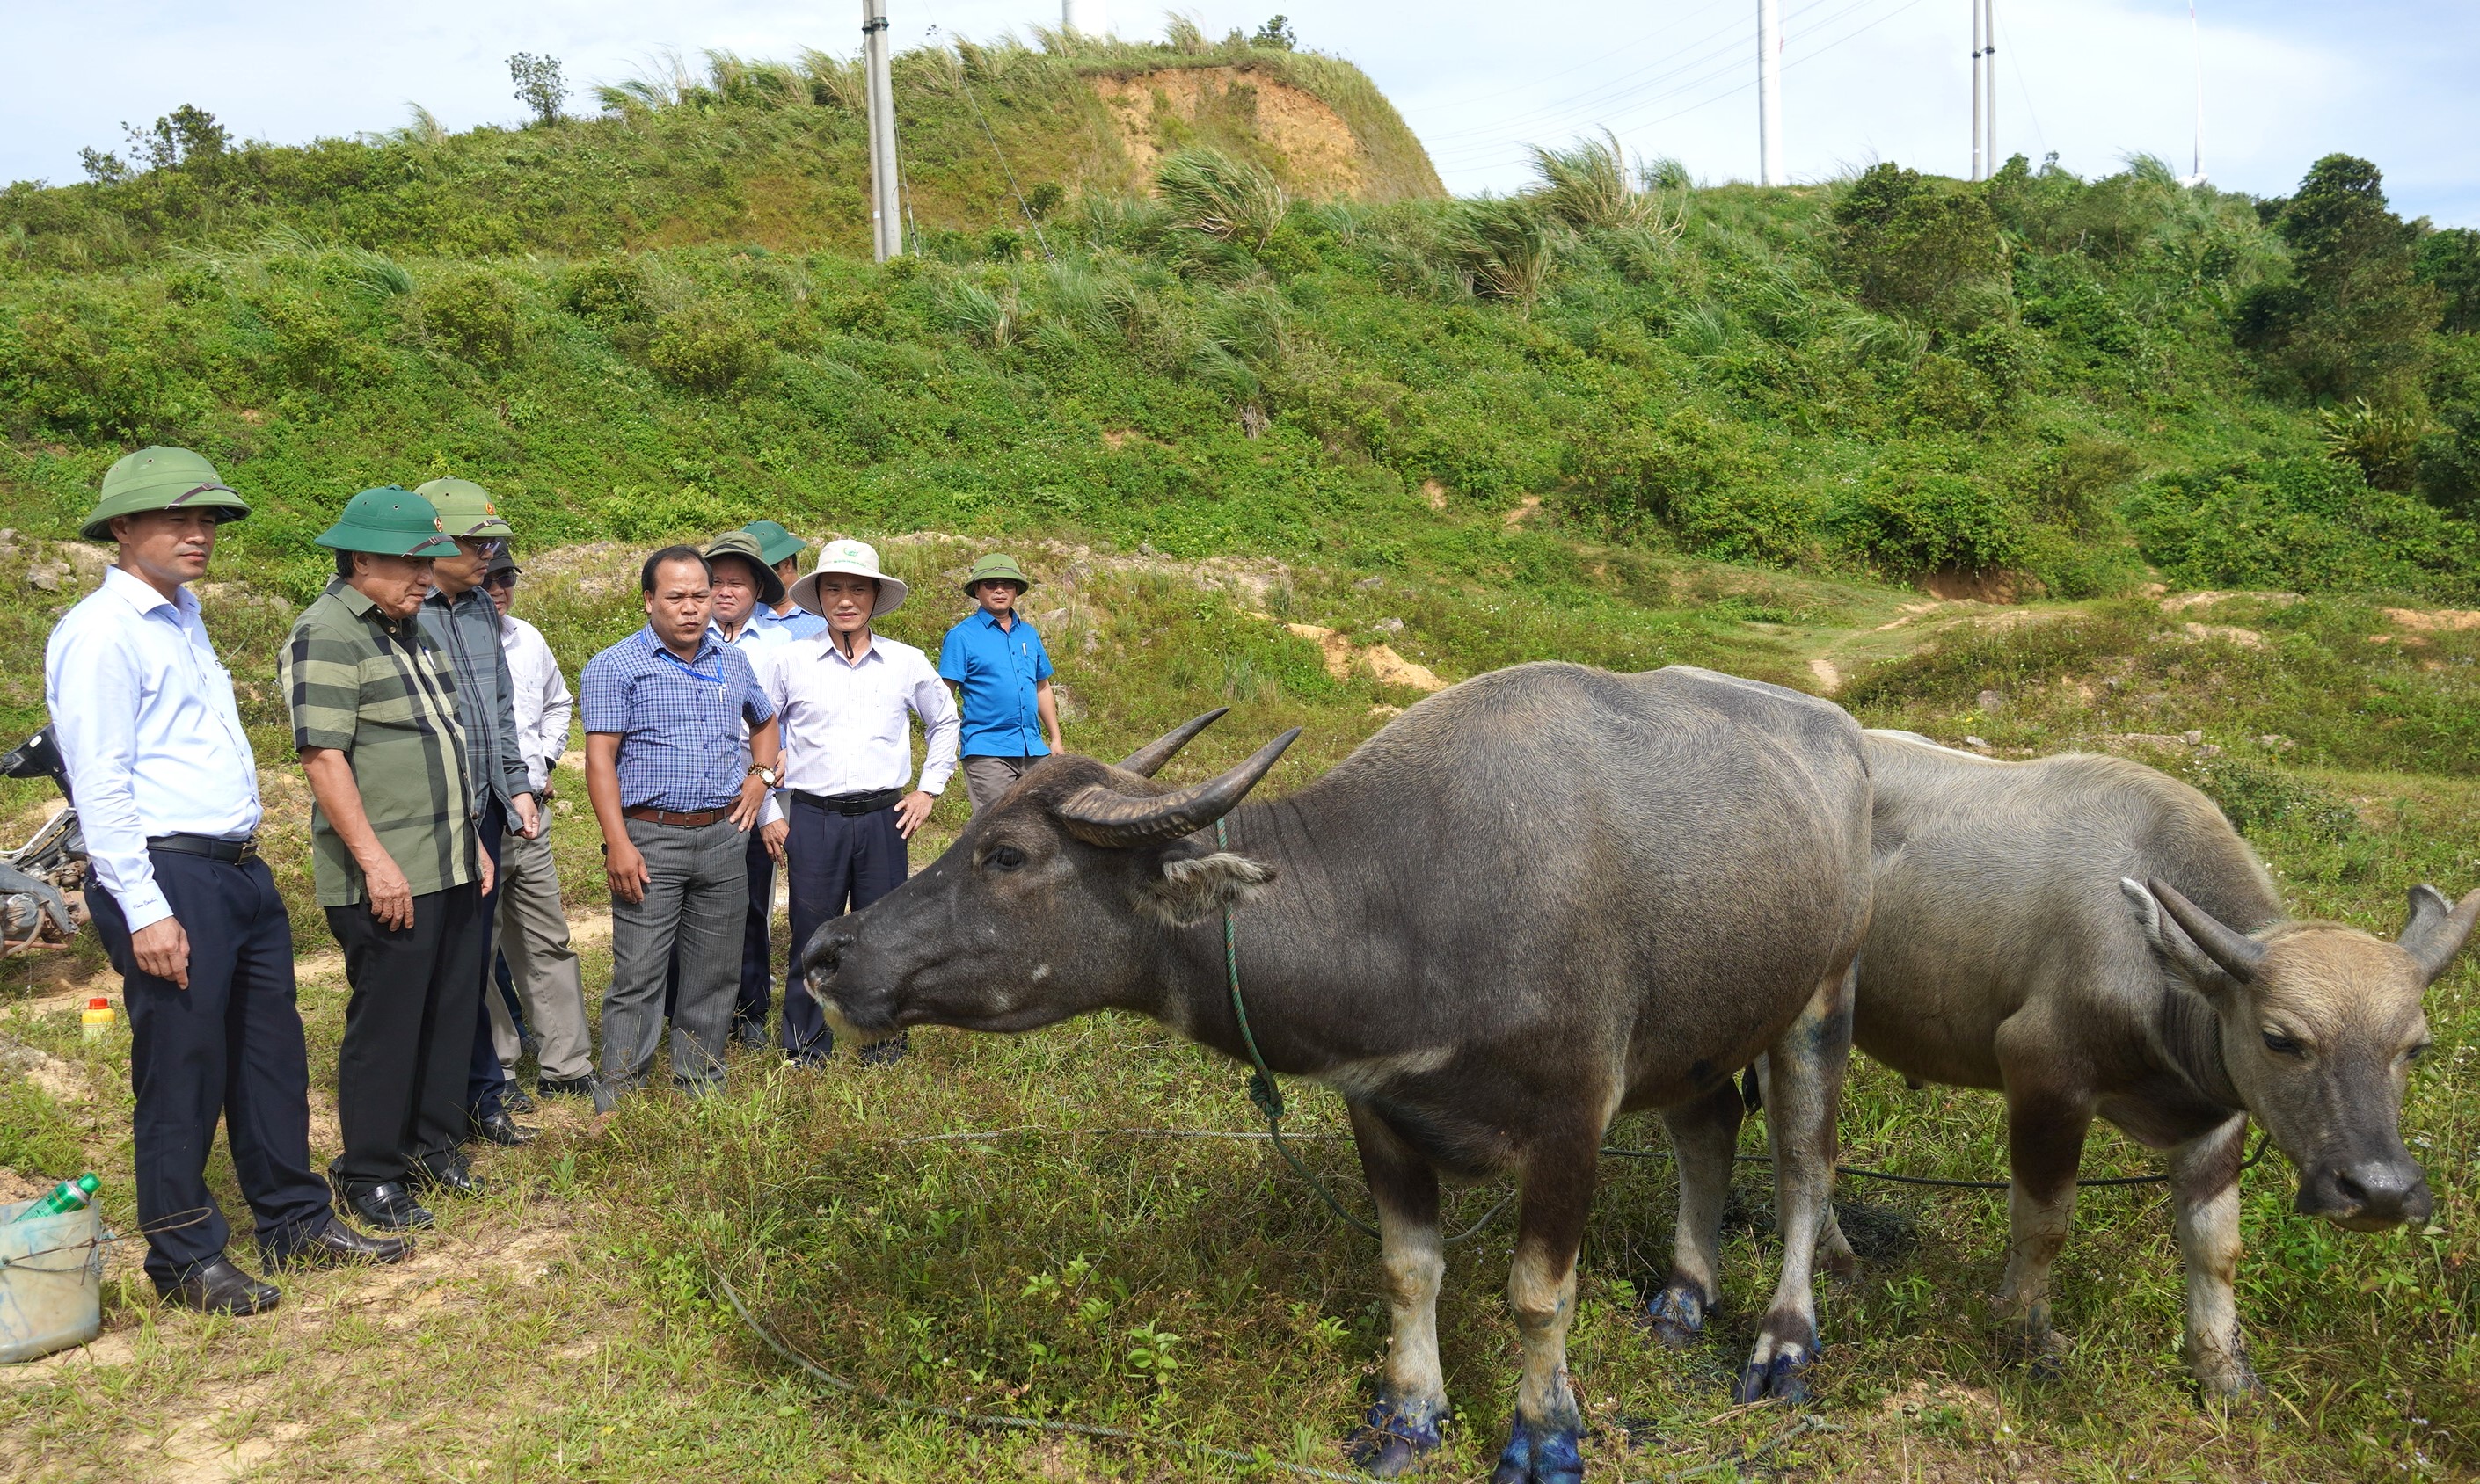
[(543, 703), (144, 714), (844, 726)]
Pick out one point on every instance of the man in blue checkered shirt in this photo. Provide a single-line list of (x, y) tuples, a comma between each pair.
[(677, 792)]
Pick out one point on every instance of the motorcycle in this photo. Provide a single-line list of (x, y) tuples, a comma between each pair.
[(36, 876)]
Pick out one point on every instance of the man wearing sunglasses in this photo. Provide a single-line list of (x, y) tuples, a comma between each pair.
[(460, 618)]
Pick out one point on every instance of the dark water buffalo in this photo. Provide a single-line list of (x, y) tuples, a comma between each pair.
[(2090, 936), (1533, 901)]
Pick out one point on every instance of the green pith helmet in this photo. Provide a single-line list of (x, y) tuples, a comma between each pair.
[(465, 508), (746, 547), (160, 479), (388, 522), (775, 541), (996, 567)]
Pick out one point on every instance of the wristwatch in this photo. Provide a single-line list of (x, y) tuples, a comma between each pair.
[(770, 776)]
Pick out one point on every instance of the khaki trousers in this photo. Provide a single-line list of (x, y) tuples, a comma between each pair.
[(533, 932), (986, 778)]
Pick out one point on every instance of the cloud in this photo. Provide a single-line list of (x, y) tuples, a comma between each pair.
[(2286, 81)]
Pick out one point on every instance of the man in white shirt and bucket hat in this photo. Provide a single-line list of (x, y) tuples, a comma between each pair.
[(842, 696)]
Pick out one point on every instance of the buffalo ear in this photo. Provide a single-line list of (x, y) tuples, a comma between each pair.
[(2172, 943), (2436, 932), (1194, 888)]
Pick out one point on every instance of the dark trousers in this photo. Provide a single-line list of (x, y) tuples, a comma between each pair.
[(484, 1078), (229, 1046), (839, 863), (400, 1077), (756, 965)]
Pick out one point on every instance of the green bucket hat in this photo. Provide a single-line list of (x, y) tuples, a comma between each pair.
[(774, 542), (995, 567), (748, 547), (388, 522), (465, 508), (160, 479)]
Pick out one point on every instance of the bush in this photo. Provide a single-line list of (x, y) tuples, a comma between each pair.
[(2352, 320), (1905, 244), (1632, 475), (2449, 462), (1909, 521), (473, 318), (2303, 524), (705, 351), (609, 290)]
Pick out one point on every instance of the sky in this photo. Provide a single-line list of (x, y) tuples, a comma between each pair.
[(2095, 81)]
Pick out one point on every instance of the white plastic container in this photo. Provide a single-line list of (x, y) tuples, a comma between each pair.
[(51, 1281)]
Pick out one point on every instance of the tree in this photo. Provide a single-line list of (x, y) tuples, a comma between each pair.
[(541, 86), (2449, 262), (1905, 244), (189, 135), (2351, 320), (1276, 35)]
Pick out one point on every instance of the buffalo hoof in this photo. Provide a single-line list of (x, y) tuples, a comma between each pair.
[(1541, 1455), (1782, 1377), (1677, 1315), (2227, 1383), (1395, 1437), (2042, 1353)]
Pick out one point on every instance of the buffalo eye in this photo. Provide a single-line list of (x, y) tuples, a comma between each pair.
[(2282, 1045), (1007, 857), (2416, 1051)]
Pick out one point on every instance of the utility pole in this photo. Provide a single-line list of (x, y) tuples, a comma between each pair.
[(886, 198), (1085, 17), (1989, 67), (1976, 87), (1769, 153)]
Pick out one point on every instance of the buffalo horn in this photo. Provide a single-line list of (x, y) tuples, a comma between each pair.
[(2237, 952), (1150, 758), (1104, 816), (2435, 934)]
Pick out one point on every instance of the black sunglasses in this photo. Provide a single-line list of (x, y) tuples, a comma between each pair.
[(507, 579)]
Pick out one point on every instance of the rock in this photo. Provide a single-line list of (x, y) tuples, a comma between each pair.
[(1973, 741), (1147, 549), (48, 576), (1388, 626), (1370, 584), (2275, 742), (2192, 736), (1386, 710), (1991, 703)]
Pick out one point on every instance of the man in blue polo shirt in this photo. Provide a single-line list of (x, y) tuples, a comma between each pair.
[(1001, 676)]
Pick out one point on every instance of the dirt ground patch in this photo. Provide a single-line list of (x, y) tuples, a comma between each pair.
[(1322, 154)]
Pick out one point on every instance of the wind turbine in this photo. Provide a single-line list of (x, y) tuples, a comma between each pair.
[(2196, 33)]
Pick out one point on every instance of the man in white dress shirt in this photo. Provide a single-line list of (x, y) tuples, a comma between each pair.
[(843, 697), (167, 792), (533, 924)]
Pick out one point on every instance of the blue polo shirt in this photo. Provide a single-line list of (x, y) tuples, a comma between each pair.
[(998, 669)]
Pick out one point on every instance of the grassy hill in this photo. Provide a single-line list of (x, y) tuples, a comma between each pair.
[(2031, 466)]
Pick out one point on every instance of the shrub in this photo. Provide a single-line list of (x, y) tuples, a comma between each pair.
[(1228, 199), (474, 317), (1588, 188), (2352, 319), (2383, 441), (1909, 522), (610, 290), (705, 351), (1905, 244), (1506, 246), (2449, 462), (2300, 523), (2449, 263), (1691, 475)]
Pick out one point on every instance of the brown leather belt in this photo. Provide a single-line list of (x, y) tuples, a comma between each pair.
[(695, 819)]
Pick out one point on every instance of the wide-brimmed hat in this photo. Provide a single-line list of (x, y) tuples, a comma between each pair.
[(748, 547), (388, 522), (465, 508), (996, 567), (854, 558), (160, 479), (775, 541)]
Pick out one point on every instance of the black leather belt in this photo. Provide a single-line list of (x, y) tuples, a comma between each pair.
[(213, 847), (851, 804)]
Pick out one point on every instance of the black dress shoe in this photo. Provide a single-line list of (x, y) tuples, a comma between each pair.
[(513, 1098), (564, 1086), (506, 1132), (750, 1034), (388, 1206), (337, 1244), (216, 1287), (446, 1172)]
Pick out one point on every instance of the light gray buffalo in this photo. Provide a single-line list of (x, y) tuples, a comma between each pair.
[(2090, 936), (1535, 900)]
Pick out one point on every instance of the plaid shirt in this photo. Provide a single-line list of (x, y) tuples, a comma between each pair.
[(683, 746), (467, 630), (379, 692)]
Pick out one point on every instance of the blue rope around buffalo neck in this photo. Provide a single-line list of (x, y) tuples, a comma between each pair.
[(1269, 1097)]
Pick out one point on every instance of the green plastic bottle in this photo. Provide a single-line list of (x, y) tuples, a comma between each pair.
[(67, 1196)]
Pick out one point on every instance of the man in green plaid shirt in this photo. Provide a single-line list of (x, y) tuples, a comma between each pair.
[(395, 853)]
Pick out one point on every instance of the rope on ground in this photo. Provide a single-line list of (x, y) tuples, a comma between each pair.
[(837, 1383), (1741, 1458)]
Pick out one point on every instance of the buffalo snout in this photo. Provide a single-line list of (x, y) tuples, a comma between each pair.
[(2367, 1195)]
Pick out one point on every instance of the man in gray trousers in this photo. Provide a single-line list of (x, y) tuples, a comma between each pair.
[(676, 791)]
